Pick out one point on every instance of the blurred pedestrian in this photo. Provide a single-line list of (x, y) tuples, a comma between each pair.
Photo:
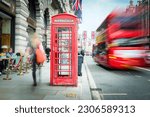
[(35, 42)]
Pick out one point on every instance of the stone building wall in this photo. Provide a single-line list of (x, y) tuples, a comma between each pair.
[(23, 33)]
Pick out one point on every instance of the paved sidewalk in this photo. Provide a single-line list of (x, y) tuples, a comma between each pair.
[(20, 87)]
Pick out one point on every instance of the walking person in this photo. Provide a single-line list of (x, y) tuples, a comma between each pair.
[(35, 42)]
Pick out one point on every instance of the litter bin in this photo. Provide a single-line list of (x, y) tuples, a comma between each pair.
[(80, 61)]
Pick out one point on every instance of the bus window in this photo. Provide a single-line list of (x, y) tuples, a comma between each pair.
[(102, 48), (130, 42)]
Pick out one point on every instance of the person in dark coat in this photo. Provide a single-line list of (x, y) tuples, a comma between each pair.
[(82, 52), (47, 51)]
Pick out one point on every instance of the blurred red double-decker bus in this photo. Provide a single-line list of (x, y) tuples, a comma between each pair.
[(120, 42)]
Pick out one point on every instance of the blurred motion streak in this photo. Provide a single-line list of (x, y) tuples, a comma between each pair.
[(122, 40)]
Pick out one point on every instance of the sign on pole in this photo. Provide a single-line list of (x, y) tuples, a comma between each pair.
[(93, 35), (84, 35)]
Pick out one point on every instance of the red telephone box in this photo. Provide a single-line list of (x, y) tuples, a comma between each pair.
[(64, 50)]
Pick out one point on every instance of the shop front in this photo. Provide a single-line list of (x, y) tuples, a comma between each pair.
[(7, 24)]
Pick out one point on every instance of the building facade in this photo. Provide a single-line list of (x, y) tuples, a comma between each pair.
[(27, 17)]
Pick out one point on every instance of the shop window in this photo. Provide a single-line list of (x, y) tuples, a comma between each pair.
[(5, 31)]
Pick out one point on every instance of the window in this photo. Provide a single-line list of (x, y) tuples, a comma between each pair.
[(32, 9)]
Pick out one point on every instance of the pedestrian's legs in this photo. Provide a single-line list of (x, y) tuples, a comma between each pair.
[(34, 70), (39, 66)]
